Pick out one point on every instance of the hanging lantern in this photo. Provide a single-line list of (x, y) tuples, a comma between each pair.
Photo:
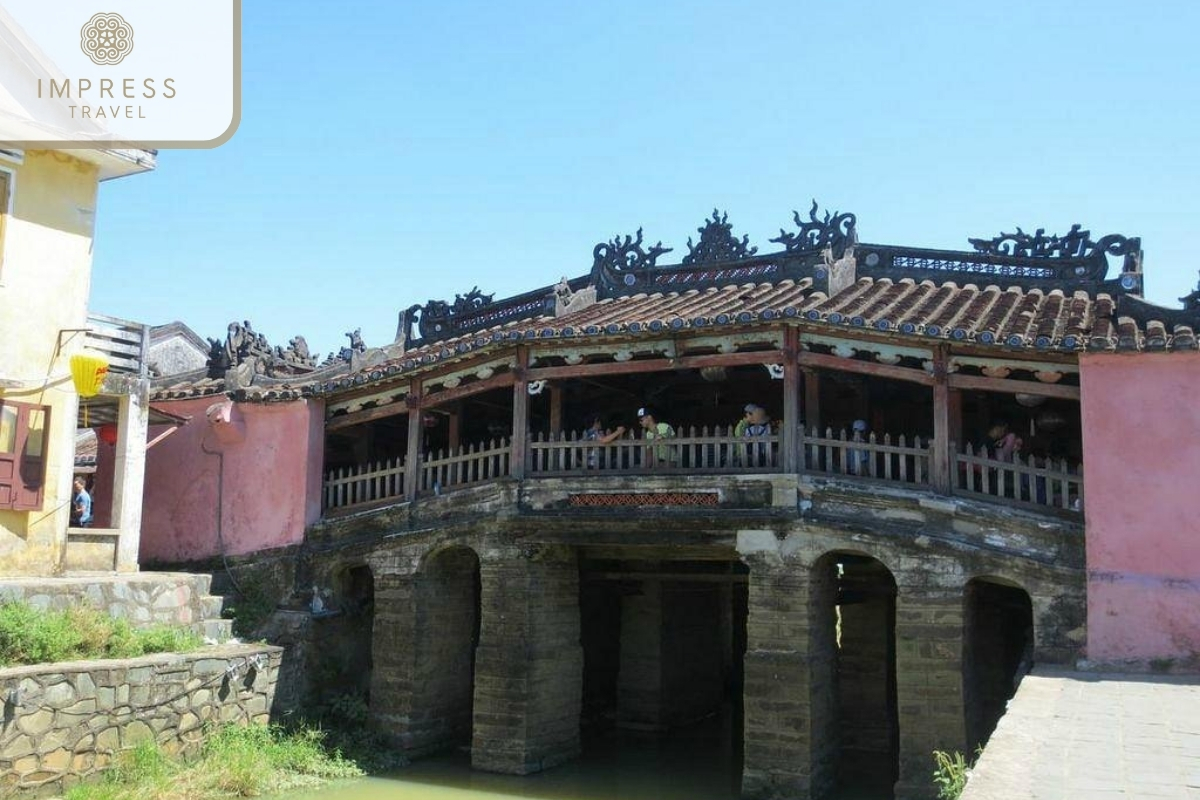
[(88, 369), (107, 434), (1030, 400)]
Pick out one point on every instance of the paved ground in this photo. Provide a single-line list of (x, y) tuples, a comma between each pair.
[(1087, 736)]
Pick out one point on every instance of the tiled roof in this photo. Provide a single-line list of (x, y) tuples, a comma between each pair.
[(990, 315)]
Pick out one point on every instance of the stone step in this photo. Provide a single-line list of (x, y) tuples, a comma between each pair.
[(218, 630), (212, 606)]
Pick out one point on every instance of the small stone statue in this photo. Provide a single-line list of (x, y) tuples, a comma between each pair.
[(318, 605)]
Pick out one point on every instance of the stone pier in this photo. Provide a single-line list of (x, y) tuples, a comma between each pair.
[(529, 665)]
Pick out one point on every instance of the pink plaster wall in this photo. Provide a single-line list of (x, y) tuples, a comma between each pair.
[(1141, 439), (267, 491)]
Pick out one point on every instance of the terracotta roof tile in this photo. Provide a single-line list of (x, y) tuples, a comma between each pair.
[(1009, 317)]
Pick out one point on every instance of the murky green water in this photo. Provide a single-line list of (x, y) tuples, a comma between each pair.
[(699, 763), (692, 765)]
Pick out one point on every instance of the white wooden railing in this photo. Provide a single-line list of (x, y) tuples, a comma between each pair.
[(1041, 482), (691, 450), (447, 469), (700, 451), (364, 483), (900, 460)]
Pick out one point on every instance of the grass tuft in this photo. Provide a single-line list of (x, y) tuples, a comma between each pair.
[(31, 636), (235, 761)]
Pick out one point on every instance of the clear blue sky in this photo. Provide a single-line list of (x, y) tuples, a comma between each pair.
[(393, 152)]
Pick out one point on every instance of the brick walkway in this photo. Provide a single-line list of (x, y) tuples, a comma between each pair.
[(1088, 736)]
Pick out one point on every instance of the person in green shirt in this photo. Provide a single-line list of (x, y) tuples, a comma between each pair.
[(658, 455)]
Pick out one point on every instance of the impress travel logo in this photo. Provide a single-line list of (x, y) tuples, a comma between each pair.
[(73, 77), (106, 39)]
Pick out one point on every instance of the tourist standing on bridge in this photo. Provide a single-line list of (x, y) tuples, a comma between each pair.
[(658, 455), (595, 433)]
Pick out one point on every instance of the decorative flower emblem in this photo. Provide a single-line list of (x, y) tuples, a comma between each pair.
[(106, 38)]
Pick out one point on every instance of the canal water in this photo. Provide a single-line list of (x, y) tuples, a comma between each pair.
[(702, 762)]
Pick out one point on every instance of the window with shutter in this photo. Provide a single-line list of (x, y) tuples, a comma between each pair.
[(23, 430)]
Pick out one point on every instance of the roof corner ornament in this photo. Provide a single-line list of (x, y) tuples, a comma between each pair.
[(717, 242), (624, 255), (836, 232)]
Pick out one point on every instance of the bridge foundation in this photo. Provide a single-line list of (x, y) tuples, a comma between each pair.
[(529, 664)]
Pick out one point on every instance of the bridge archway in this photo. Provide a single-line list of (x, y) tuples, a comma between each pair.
[(997, 650), (856, 593), (448, 614)]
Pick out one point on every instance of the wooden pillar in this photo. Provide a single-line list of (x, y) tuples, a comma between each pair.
[(812, 399), (412, 461), (790, 443), (556, 423), (520, 424), (941, 459), (956, 401), (455, 416)]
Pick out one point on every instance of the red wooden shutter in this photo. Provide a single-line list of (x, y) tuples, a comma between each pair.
[(9, 414), (23, 441)]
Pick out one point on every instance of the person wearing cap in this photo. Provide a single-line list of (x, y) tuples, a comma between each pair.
[(652, 429), (859, 459)]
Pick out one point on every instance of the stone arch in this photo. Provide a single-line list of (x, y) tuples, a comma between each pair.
[(853, 601), (446, 601), (354, 602), (998, 647)]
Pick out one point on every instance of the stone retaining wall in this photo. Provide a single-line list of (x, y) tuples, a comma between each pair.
[(64, 722), (146, 599)]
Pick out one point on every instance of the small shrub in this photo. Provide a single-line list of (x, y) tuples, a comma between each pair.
[(950, 774), (250, 609)]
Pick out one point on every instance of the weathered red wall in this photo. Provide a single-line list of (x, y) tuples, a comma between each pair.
[(270, 486), (1141, 438)]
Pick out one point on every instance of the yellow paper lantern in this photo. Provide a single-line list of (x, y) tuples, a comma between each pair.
[(87, 372)]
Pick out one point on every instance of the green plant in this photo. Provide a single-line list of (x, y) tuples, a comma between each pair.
[(31, 636), (235, 761), (1161, 665), (249, 609), (950, 774)]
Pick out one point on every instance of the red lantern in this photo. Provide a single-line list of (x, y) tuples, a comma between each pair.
[(107, 434)]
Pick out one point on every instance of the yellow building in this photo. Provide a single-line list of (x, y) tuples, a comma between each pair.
[(48, 205)]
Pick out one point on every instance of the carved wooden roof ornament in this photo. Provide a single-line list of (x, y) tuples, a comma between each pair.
[(623, 255), (1077, 243), (717, 242), (836, 232)]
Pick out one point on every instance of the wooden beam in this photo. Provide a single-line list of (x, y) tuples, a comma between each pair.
[(791, 402), (412, 463), (692, 577), (941, 458), (520, 411), (810, 359), (466, 390), (658, 365), (366, 415), (982, 383)]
